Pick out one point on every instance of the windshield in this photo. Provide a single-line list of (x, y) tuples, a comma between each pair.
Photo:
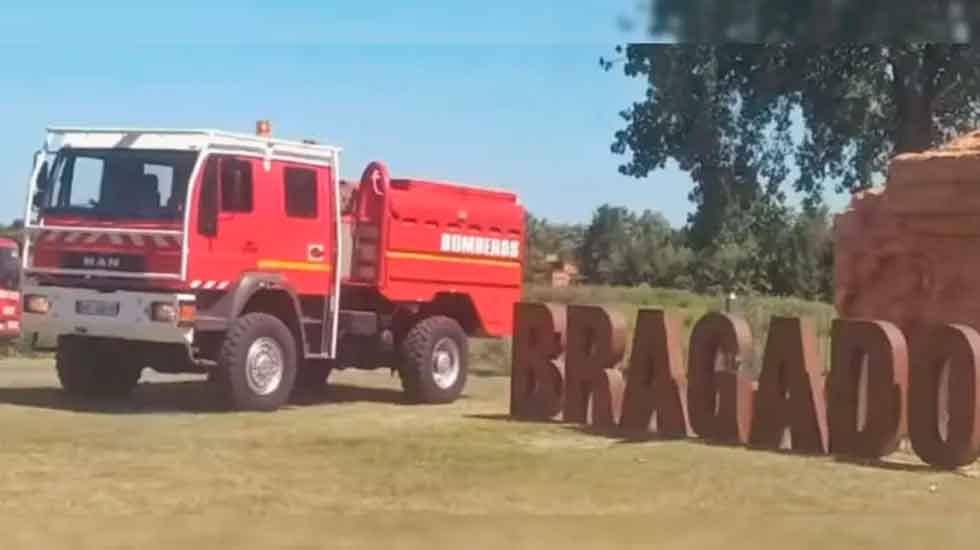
[(9, 269), (119, 184)]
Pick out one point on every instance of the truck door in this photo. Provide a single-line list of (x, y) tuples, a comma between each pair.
[(305, 230), (230, 231)]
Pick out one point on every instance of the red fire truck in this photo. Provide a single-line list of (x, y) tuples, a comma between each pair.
[(9, 290), (247, 258)]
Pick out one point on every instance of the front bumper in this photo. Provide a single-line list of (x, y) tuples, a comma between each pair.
[(131, 323)]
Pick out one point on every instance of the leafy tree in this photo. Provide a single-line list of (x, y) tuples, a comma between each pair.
[(724, 114), (605, 248), (816, 21), (801, 258), (658, 254), (622, 248), (545, 239), (13, 231)]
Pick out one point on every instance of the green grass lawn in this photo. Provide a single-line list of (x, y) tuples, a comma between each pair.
[(356, 468)]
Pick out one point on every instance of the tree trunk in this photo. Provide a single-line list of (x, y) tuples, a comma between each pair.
[(914, 74), (915, 129)]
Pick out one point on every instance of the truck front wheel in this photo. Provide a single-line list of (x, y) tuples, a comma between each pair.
[(257, 363), (93, 368), (433, 361)]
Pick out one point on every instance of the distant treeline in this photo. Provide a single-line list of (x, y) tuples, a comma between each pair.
[(777, 252)]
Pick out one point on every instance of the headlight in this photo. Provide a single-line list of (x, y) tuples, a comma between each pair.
[(166, 312), (35, 303), (163, 312)]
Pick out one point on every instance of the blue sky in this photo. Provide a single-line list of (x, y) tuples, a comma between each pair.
[(506, 94)]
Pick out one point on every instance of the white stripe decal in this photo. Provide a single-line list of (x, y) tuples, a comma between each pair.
[(115, 239), (160, 241), (93, 238), (223, 285), (50, 236), (136, 239), (72, 237), (195, 284), (208, 285)]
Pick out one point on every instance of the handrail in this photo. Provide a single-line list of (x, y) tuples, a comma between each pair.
[(103, 273), (104, 230), (201, 132)]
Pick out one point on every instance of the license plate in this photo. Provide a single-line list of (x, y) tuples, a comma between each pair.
[(97, 307)]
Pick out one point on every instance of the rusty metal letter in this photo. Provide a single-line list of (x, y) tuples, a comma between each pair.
[(879, 347), (596, 344), (656, 385), (537, 376), (719, 397), (956, 350), (791, 390)]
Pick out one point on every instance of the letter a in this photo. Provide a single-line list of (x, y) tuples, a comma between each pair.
[(791, 390), (656, 385)]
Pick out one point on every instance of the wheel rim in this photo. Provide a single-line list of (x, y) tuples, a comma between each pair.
[(264, 366), (445, 363)]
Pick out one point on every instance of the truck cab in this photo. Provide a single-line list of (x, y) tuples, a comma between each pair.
[(9, 290), (248, 258)]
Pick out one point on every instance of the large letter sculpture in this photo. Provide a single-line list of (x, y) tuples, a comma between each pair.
[(656, 384), (719, 396), (956, 349), (880, 348), (537, 376), (791, 390), (596, 343)]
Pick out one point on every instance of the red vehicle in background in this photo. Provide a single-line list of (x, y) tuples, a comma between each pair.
[(9, 289), (246, 257)]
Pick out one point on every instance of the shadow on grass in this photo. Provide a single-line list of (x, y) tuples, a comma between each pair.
[(481, 371), (343, 393), (503, 416), (888, 464), (626, 437), (192, 397)]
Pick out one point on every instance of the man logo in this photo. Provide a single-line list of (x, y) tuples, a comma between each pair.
[(480, 246), (99, 262)]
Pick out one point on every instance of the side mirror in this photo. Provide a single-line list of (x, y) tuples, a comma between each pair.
[(207, 212), (40, 186), (41, 183)]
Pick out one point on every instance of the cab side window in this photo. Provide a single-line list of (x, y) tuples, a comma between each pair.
[(236, 185), (300, 192)]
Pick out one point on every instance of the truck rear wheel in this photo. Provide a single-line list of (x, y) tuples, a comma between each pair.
[(433, 361), (257, 363), (94, 368)]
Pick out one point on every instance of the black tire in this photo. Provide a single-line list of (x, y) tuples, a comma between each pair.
[(312, 376), (95, 369), (232, 368), (417, 362)]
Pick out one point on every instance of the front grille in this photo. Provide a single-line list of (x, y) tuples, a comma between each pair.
[(129, 263)]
